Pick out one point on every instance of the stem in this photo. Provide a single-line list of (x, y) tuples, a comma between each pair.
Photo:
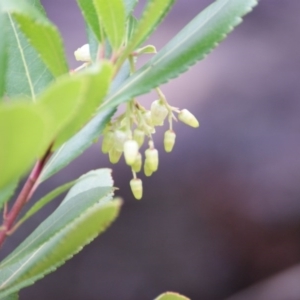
[(5, 210), (23, 197), (134, 174), (101, 52), (170, 108), (81, 67), (170, 119)]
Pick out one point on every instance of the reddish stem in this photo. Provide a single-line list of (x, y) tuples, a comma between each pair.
[(23, 197)]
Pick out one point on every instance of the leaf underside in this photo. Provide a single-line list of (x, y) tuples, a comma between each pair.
[(59, 237)]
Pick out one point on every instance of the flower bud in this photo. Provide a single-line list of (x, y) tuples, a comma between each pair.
[(147, 171), (188, 118), (108, 142), (151, 161), (136, 188), (131, 149), (114, 155), (137, 165), (83, 53), (139, 136), (158, 113), (169, 140), (119, 139)]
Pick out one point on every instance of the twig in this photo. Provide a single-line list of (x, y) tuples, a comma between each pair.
[(23, 197)]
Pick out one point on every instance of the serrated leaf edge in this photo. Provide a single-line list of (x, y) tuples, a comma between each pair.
[(9, 259), (30, 83), (163, 13), (115, 203), (152, 63), (131, 9)]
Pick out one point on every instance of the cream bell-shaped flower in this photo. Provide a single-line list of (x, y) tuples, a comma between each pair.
[(151, 161), (114, 155), (137, 165), (120, 138), (148, 118), (147, 125), (158, 113), (136, 188), (83, 53), (139, 136), (131, 149), (108, 142), (169, 140), (147, 171), (188, 118)]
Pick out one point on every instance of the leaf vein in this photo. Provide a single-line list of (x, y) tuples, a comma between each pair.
[(23, 58)]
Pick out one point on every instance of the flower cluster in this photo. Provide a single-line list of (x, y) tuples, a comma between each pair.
[(127, 133)]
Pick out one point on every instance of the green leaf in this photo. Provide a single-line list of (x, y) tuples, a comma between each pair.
[(7, 192), (23, 133), (44, 201), (62, 100), (93, 43), (85, 137), (129, 6), (171, 296), (27, 75), (131, 26), (72, 100), (45, 38), (37, 4), (99, 180), (76, 145), (121, 76), (112, 15), (40, 32), (93, 179), (89, 13), (3, 52), (103, 49), (11, 297), (35, 51), (94, 29), (152, 16), (191, 44), (91, 96), (88, 213)]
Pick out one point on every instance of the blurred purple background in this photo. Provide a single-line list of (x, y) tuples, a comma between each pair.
[(221, 217)]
